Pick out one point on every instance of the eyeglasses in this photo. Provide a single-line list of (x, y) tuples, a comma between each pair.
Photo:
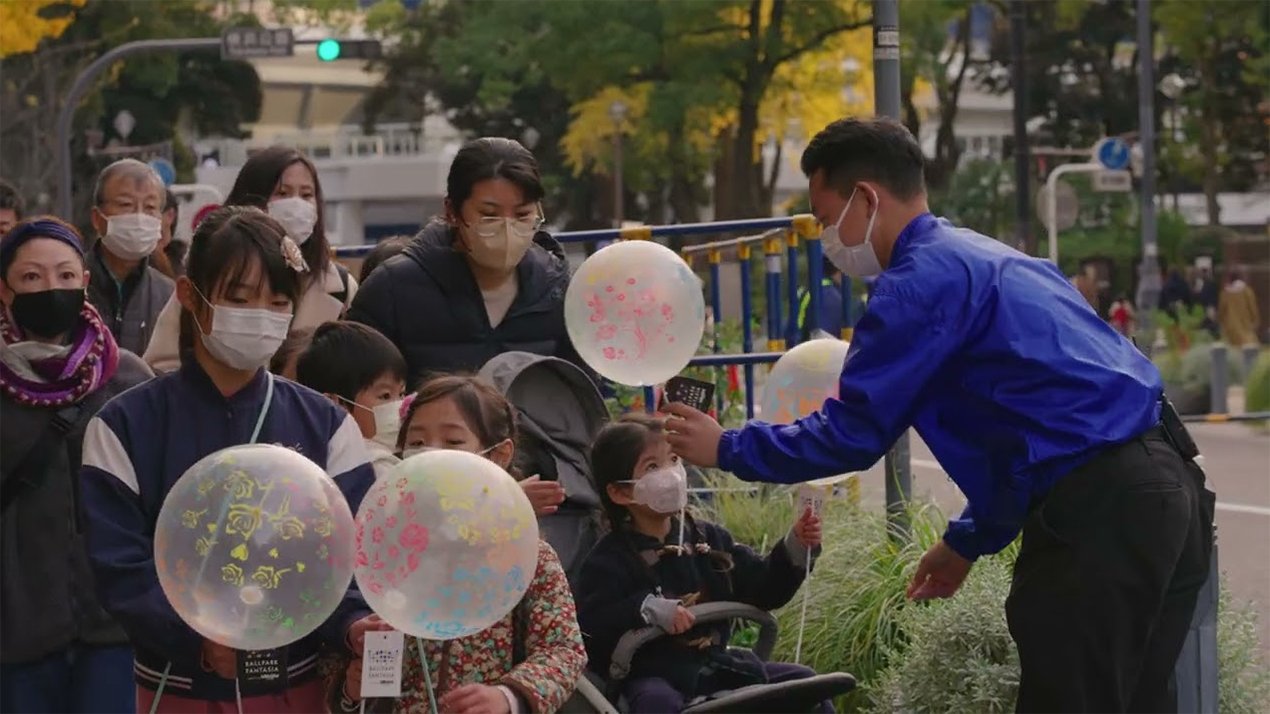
[(489, 226)]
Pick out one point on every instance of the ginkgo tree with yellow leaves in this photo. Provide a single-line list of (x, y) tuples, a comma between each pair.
[(804, 94), (24, 24), (717, 82), (707, 82)]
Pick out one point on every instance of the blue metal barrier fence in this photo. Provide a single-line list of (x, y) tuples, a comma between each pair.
[(783, 240)]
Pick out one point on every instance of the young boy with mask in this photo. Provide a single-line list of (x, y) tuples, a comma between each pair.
[(360, 370)]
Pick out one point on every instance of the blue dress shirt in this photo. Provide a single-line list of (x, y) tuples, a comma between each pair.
[(993, 357)]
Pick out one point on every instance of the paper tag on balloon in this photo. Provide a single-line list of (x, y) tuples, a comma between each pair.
[(262, 672), (812, 497), (381, 664)]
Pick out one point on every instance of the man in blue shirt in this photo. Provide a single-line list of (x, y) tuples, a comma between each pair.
[(1046, 418)]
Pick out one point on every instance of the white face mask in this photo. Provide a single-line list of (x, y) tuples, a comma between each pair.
[(857, 261), (132, 236), (387, 420), (245, 338), (664, 490), (297, 215)]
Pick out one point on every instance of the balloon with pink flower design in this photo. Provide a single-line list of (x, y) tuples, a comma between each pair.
[(447, 545), (635, 312)]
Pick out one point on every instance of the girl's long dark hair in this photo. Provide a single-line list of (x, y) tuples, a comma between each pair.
[(255, 186)]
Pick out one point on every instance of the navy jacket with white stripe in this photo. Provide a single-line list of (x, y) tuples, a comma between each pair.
[(137, 447)]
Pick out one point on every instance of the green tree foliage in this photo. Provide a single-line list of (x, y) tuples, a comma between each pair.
[(1080, 78), (1222, 50), (710, 66), (160, 90), (928, 51), (450, 57)]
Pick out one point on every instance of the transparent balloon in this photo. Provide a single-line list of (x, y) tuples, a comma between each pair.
[(254, 546), (635, 312), (447, 545), (802, 379)]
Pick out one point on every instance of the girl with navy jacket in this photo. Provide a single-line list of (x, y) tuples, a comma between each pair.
[(648, 570), (243, 280)]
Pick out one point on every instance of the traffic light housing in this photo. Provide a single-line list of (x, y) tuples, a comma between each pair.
[(332, 49)]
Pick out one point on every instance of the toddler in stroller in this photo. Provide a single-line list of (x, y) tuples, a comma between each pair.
[(560, 412), (657, 563)]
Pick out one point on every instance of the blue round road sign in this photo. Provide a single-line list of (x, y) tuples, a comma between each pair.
[(1112, 153), (165, 170)]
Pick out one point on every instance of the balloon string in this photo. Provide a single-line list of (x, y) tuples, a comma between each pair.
[(238, 696), (802, 619), (158, 693), (427, 677)]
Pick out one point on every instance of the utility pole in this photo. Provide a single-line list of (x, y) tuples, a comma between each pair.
[(886, 102), (1022, 157)]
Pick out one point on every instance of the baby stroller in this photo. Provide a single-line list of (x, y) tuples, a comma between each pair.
[(560, 411), (802, 695)]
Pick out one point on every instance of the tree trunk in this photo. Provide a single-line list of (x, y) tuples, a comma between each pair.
[(1210, 141), (939, 170), (682, 196), (747, 173)]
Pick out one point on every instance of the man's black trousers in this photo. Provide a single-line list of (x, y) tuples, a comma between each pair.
[(1106, 581)]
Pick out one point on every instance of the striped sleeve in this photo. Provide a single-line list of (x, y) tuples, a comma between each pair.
[(121, 548), (348, 463)]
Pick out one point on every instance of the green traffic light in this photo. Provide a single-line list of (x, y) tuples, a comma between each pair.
[(328, 50)]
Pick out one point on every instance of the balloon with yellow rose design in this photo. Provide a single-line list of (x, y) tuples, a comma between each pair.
[(254, 546), (447, 544)]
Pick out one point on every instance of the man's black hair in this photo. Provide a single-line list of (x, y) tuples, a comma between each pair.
[(11, 200), (875, 149), (344, 358)]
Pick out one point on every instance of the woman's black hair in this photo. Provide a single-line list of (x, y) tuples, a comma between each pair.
[(225, 248), (297, 341), (614, 455), (488, 158), (487, 412), (382, 251), (258, 180)]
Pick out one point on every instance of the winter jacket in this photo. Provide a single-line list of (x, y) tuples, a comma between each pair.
[(130, 308), (46, 591), (627, 567), (427, 302), (137, 447)]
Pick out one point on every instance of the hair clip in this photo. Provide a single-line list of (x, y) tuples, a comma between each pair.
[(291, 253)]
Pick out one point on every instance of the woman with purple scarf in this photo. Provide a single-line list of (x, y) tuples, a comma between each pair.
[(59, 364)]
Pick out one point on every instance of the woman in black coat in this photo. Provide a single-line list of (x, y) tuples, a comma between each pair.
[(484, 281)]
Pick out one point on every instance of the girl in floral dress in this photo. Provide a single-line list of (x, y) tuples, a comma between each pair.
[(532, 659)]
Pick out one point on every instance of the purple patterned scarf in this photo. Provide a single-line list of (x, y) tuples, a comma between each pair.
[(52, 376)]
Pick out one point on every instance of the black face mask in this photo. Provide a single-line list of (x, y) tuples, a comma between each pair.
[(48, 313)]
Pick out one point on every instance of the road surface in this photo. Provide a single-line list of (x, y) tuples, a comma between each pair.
[(1237, 462)]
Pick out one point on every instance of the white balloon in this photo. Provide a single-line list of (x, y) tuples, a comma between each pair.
[(802, 379), (447, 544), (635, 312), (254, 546)]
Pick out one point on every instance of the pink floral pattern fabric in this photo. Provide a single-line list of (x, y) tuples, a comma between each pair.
[(555, 657)]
